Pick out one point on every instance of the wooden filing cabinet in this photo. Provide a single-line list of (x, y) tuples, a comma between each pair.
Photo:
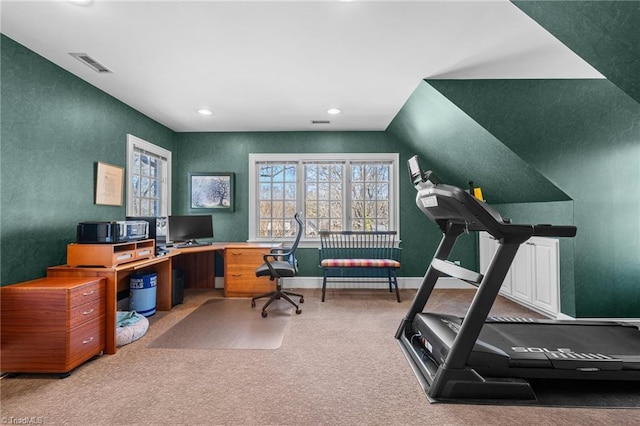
[(240, 263), (51, 325)]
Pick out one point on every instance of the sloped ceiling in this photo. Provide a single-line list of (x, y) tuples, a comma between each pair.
[(278, 65), (604, 33), (517, 138)]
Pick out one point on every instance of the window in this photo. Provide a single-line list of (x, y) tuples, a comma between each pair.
[(148, 179), (334, 191)]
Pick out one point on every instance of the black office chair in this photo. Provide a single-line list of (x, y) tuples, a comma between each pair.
[(283, 264)]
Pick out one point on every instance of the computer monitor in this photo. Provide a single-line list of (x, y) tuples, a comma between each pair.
[(190, 228)]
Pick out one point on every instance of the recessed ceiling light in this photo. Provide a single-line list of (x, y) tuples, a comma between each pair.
[(204, 111), (80, 2), (333, 111)]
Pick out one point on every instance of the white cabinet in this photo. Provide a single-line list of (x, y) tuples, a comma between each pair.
[(533, 279)]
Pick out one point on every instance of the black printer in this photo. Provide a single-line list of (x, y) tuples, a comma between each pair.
[(112, 232)]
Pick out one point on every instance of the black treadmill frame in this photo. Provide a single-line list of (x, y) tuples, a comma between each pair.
[(456, 212)]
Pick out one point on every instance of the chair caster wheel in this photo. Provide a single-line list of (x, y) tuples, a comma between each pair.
[(253, 304), (298, 311), (264, 314), (302, 300)]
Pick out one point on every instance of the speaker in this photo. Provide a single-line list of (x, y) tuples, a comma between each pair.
[(177, 293)]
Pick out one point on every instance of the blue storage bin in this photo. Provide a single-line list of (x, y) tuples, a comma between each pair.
[(142, 295)]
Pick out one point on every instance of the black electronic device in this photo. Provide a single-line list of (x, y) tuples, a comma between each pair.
[(186, 231), (111, 232), (477, 357), (157, 229)]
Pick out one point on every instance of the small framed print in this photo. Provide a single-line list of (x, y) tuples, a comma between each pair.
[(109, 181), (211, 191)]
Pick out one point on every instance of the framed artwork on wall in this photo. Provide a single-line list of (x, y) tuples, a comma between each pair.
[(211, 191), (109, 181)]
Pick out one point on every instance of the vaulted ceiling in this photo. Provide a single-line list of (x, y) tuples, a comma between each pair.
[(280, 65)]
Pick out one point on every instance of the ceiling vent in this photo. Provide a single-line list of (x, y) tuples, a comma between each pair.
[(90, 62), (320, 122)]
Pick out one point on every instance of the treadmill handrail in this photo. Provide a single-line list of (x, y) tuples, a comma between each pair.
[(446, 204)]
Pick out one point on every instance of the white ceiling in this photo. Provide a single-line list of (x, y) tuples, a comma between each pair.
[(276, 66)]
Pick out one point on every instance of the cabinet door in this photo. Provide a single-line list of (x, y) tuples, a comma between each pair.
[(521, 273), (546, 273), (488, 247)]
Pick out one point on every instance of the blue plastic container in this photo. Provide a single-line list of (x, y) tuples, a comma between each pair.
[(142, 295)]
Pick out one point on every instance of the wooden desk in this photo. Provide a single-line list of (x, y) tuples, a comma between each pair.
[(198, 266), (117, 280)]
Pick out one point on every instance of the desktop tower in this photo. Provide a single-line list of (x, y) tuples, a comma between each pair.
[(177, 292)]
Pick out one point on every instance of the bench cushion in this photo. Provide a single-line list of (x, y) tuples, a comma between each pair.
[(360, 263)]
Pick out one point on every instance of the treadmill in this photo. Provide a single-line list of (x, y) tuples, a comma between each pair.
[(481, 357)]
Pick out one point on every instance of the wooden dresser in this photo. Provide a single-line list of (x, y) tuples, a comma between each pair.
[(51, 325), (240, 263)]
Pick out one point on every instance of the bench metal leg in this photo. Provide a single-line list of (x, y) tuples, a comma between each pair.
[(324, 285), (393, 278)]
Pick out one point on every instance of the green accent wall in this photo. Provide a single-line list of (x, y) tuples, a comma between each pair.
[(573, 145), (229, 152), (584, 136), (560, 151), (55, 127)]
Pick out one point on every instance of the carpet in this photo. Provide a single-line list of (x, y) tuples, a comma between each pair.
[(228, 324)]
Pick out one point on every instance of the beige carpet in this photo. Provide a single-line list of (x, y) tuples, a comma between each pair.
[(339, 364), (228, 324)]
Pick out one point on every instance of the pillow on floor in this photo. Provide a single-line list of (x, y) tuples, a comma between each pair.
[(132, 331)]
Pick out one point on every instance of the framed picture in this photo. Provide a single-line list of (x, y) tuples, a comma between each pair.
[(211, 191), (109, 181)]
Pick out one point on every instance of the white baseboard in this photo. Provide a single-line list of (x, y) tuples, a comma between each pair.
[(635, 321)]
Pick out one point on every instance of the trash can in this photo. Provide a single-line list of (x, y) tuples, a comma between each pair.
[(142, 294)]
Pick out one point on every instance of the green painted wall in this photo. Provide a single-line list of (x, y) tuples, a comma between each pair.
[(228, 152), (566, 140), (55, 127), (551, 148)]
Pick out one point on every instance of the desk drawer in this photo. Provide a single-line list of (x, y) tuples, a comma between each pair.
[(86, 293), (245, 257), (86, 312), (85, 341)]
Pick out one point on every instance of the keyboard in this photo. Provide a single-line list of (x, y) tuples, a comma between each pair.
[(188, 245)]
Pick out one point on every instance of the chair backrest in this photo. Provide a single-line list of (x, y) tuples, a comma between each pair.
[(292, 251)]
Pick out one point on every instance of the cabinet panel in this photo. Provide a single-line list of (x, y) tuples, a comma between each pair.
[(534, 277), (545, 290), (520, 273)]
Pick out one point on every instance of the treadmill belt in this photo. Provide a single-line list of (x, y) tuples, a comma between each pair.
[(563, 345), (568, 346)]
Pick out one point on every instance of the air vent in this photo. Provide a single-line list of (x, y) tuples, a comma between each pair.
[(90, 62), (320, 122)]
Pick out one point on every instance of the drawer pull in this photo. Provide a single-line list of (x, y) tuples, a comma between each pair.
[(89, 293), (144, 252), (90, 311), (124, 256), (236, 253), (236, 275), (89, 340)]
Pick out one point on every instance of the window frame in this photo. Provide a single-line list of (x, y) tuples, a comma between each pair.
[(165, 182), (301, 159)]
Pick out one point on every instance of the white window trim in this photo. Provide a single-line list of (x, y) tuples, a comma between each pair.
[(165, 187), (394, 158)]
